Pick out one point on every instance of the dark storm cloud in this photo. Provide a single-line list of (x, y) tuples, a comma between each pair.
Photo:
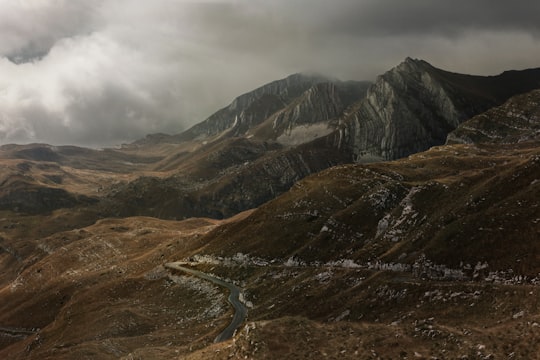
[(361, 38), (109, 71), (29, 29), (429, 17)]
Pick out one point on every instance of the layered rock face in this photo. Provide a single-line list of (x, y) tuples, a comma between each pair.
[(252, 108), (271, 110), (405, 111), (322, 102), (415, 105)]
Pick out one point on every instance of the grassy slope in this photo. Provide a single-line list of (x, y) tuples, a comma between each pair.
[(100, 292)]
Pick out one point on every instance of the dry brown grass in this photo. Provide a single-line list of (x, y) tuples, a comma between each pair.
[(96, 288)]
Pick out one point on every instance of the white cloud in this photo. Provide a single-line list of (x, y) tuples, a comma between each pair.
[(102, 72)]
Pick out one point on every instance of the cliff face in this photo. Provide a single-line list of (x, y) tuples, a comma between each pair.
[(314, 113), (254, 107), (278, 107), (321, 102), (414, 106), (405, 111)]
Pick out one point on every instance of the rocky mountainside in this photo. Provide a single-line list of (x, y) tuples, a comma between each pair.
[(266, 140), (301, 125), (244, 154), (415, 105), (435, 255), (250, 109), (464, 198), (432, 256)]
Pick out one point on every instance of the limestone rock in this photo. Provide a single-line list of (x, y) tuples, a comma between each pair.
[(415, 105)]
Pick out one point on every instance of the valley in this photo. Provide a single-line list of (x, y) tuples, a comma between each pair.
[(391, 219)]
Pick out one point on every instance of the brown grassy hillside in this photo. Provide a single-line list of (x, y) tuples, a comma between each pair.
[(433, 256)]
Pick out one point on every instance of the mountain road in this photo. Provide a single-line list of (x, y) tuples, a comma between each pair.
[(240, 310)]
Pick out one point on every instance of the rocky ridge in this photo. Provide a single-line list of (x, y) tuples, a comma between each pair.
[(253, 107), (415, 105), (437, 252)]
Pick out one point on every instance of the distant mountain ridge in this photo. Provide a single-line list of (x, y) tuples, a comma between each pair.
[(249, 110), (266, 140), (407, 109)]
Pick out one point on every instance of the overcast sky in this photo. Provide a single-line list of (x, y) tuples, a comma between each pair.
[(104, 72)]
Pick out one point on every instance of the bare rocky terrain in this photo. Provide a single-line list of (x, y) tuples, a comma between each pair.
[(432, 253)]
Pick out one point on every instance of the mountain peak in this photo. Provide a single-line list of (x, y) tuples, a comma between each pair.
[(306, 76), (410, 65), (264, 100), (415, 105)]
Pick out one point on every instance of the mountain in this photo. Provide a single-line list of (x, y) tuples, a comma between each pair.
[(250, 109), (415, 105), (430, 256), (473, 196), (243, 155), (263, 142), (257, 147), (434, 255)]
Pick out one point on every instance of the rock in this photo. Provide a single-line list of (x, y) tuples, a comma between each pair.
[(517, 120), (253, 107), (415, 105)]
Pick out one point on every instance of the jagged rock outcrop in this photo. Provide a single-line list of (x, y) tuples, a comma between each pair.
[(415, 105)]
